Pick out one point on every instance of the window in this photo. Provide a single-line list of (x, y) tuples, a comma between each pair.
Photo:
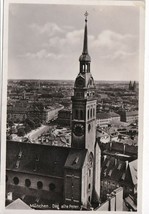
[(81, 114), (108, 163), (89, 172), (89, 127), (88, 114), (52, 186), (27, 183), (91, 112), (83, 67), (16, 180), (6, 178), (89, 186), (39, 185), (37, 157), (76, 115), (17, 164), (119, 166), (110, 172), (20, 155)]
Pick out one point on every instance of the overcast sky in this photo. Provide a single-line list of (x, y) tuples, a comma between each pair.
[(45, 41)]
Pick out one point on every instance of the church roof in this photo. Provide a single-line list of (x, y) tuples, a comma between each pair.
[(85, 57), (36, 158), (43, 159)]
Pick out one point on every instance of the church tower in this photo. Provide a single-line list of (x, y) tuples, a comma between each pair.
[(82, 176), (84, 103)]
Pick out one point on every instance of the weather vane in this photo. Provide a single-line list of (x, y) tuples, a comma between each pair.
[(86, 15)]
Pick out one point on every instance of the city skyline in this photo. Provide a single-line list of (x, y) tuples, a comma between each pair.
[(44, 45)]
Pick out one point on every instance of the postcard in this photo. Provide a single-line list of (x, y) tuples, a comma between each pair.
[(72, 106)]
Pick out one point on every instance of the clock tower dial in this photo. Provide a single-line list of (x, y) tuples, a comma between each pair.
[(78, 130), (80, 82)]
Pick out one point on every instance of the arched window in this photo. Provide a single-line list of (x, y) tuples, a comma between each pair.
[(88, 67), (89, 172), (16, 180), (88, 114), (91, 112), (39, 185), (89, 127), (89, 186), (27, 182), (81, 114), (83, 67), (76, 115), (52, 186)]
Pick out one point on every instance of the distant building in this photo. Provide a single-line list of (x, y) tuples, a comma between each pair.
[(132, 86), (128, 116), (131, 116), (119, 168), (51, 113), (103, 119), (114, 117), (64, 117), (16, 113), (32, 111)]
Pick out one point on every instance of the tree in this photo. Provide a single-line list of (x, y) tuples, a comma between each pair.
[(21, 132), (30, 123), (10, 123), (18, 120), (27, 128), (37, 122)]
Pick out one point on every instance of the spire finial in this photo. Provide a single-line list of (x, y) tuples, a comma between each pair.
[(86, 15), (85, 56), (85, 49)]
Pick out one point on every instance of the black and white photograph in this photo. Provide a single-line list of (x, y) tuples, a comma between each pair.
[(72, 116)]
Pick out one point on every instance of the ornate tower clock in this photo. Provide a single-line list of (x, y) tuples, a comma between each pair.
[(84, 103)]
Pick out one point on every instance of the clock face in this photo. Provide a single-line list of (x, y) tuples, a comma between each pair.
[(78, 129), (80, 82)]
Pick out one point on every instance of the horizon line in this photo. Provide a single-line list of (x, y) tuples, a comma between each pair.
[(72, 80)]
